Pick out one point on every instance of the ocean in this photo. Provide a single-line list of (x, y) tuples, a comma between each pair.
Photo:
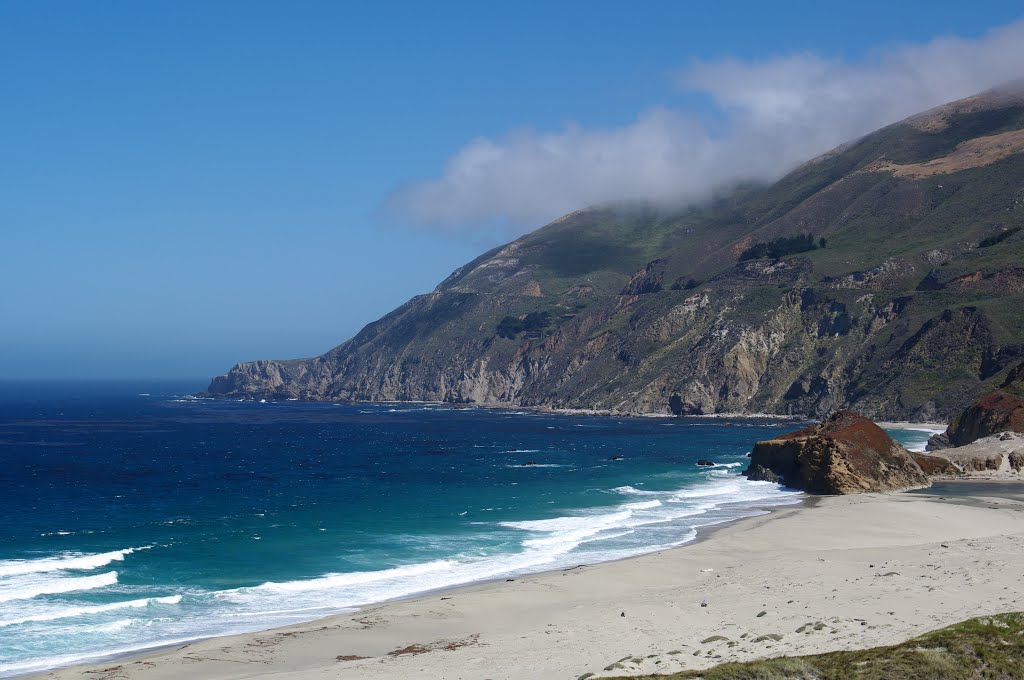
[(134, 515)]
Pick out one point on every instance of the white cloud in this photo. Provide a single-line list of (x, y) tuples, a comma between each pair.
[(778, 114)]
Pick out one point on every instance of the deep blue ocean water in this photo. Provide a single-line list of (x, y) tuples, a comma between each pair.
[(133, 515)]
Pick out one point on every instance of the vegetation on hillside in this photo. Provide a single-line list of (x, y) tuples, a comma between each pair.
[(982, 648), (534, 322), (998, 238), (782, 246)]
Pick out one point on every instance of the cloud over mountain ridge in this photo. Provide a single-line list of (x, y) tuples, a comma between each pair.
[(777, 113)]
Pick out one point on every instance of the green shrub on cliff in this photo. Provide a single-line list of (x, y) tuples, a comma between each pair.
[(511, 326), (998, 238), (782, 246)]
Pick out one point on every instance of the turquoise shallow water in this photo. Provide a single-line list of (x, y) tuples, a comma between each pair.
[(914, 437), (135, 516)]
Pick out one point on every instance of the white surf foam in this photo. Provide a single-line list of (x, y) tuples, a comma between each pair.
[(354, 579), (564, 534), (75, 612), (64, 562), (917, 434), (729, 486), (46, 663), (569, 523), (112, 627), (548, 544), (644, 521), (642, 505), (26, 589), (589, 536), (633, 491)]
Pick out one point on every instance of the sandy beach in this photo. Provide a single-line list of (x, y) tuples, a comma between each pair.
[(838, 573)]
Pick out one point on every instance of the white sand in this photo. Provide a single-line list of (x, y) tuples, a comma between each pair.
[(1002, 447), (932, 428), (861, 570)]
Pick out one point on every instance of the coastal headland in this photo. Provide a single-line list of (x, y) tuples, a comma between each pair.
[(838, 573)]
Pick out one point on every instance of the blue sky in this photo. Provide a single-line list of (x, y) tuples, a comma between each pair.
[(185, 185)]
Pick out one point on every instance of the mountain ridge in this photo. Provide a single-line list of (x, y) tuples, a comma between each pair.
[(632, 308)]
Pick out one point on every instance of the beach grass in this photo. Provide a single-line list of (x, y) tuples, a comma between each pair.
[(984, 647)]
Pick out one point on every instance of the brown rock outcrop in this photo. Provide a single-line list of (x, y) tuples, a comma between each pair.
[(1016, 460), (935, 466), (847, 453), (991, 414)]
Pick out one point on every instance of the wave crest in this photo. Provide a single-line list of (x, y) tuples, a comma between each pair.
[(73, 612), (65, 562), (34, 588)]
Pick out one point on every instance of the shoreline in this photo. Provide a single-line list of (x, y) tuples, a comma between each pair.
[(907, 425), (914, 558), (605, 413), (701, 533), (612, 413)]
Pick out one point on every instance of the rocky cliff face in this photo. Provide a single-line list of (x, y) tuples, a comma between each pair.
[(906, 305), (846, 453), (992, 413), (988, 415), (936, 466)]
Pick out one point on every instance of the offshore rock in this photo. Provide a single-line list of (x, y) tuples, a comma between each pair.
[(758, 473), (847, 453)]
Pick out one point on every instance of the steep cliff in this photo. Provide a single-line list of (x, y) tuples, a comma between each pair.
[(847, 453), (884, 276), (999, 411)]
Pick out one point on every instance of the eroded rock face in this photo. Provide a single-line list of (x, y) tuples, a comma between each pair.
[(847, 453), (936, 466), (991, 414), (998, 456)]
